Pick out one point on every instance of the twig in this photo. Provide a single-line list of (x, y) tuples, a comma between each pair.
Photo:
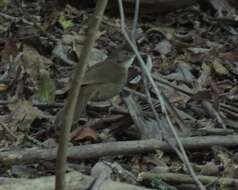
[(228, 182), (213, 113), (135, 20), (9, 17), (165, 82), (48, 105), (136, 115), (143, 96), (229, 107), (74, 92), (157, 117), (229, 112), (8, 131), (149, 99), (159, 96)]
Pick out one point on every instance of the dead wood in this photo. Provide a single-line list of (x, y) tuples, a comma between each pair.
[(116, 148), (183, 179), (74, 181)]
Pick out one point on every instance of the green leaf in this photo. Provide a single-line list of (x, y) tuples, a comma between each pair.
[(4, 3), (65, 23), (46, 87)]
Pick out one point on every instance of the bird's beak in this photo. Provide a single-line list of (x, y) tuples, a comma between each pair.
[(129, 61)]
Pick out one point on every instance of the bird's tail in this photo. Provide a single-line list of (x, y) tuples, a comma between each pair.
[(83, 98)]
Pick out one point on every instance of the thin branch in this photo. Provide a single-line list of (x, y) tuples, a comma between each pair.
[(177, 178), (71, 102), (159, 96), (135, 20), (157, 117)]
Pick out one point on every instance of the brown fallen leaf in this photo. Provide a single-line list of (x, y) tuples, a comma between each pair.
[(86, 133), (17, 123)]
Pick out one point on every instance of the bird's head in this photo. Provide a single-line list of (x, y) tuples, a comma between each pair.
[(124, 58)]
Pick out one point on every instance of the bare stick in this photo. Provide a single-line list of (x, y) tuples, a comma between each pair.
[(228, 182), (135, 20), (159, 96), (213, 113), (157, 117), (33, 155), (73, 94)]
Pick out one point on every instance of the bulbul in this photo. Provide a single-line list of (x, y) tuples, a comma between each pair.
[(102, 81)]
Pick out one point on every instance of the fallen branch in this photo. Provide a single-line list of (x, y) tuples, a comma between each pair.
[(116, 148), (182, 178), (74, 181)]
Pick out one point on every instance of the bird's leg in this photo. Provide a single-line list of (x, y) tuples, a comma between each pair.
[(113, 101)]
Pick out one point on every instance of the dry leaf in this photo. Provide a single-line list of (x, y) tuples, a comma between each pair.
[(23, 109), (86, 133), (210, 169), (32, 61), (219, 68)]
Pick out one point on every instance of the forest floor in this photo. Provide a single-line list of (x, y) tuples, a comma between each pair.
[(192, 56)]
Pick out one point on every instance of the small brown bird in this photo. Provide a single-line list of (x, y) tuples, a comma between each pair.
[(102, 81)]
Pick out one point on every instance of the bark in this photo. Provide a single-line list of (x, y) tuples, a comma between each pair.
[(116, 148)]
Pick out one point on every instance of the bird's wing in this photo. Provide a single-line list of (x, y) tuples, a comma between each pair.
[(108, 71), (98, 74), (90, 76)]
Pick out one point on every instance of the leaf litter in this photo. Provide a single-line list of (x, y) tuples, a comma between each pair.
[(194, 62)]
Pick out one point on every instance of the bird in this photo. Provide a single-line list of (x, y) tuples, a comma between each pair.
[(102, 82)]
